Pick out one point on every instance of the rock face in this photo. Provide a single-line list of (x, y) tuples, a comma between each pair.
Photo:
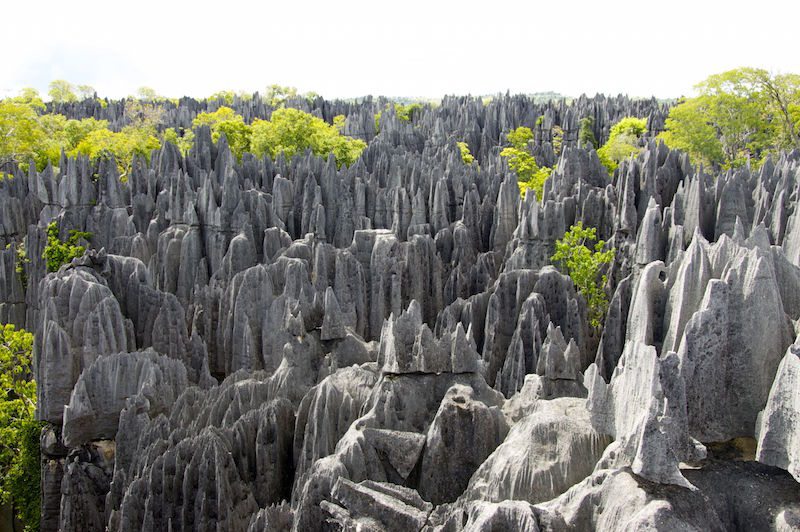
[(285, 344), (544, 454), (104, 387), (779, 433)]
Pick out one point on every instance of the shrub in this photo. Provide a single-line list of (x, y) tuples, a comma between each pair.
[(292, 131), (529, 175), (583, 265), (19, 432), (58, 252), (586, 136), (225, 120), (623, 141), (466, 156)]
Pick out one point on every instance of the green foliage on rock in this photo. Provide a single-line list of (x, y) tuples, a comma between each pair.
[(278, 95), (19, 432), (406, 112), (225, 97), (57, 252), (183, 139), (583, 264), (123, 146), (623, 141), (535, 182), (20, 133), (292, 131), (225, 120), (62, 91), (557, 136), (22, 261), (27, 135), (519, 138), (738, 116), (466, 155), (377, 121), (586, 136), (529, 175)]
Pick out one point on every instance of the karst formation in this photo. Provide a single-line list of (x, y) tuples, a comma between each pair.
[(290, 344)]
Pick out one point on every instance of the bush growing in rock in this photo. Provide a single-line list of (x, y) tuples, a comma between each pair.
[(58, 252), (583, 264)]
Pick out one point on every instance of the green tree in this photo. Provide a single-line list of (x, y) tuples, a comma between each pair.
[(58, 252), (623, 141), (30, 96), (519, 138), (557, 134), (19, 432), (583, 264), (21, 134), (225, 120), (292, 131), (63, 134), (278, 95), (586, 136), (62, 91), (738, 115), (123, 146), (688, 128), (339, 122), (183, 140), (148, 94), (406, 112), (225, 97), (522, 162), (92, 137), (86, 92), (466, 156)]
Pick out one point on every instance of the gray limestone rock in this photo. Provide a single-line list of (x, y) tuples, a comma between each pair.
[(779, 429), (731, 349), (81, 321), (642, 408), (333, 326), (318, 429), (505, 515), (544, 454), (464, 432), (358, 319), (103, 388), (377, 506)]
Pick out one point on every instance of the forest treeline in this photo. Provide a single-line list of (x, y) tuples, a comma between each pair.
[(738, 117)]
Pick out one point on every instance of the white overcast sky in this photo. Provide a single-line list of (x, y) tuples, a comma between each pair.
[(408, 48)]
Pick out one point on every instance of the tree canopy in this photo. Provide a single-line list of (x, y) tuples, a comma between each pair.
[(19, 432), (292, 131), (623, 141), (466, 155), (583, 263), (225, 120), (58, 252), (522, 162), (62, 91), (738, 115), (28, 134)]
